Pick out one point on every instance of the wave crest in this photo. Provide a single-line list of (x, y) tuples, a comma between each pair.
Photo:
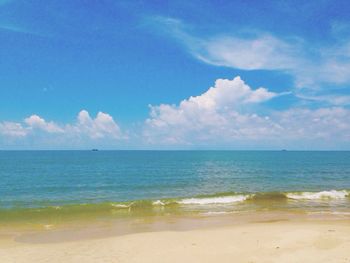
[(332, 194), (214, 200)]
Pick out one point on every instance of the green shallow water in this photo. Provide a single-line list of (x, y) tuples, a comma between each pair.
[(220, 203)]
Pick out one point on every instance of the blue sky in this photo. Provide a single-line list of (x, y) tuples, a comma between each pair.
[(157, 75)]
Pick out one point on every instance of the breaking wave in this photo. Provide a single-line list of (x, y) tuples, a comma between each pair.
[(212, 204), (332, 194), (214, 200)]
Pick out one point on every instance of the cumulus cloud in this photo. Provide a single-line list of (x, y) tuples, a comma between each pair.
[(12, 129), (229, 114), (227, 93), (102, 126), (311, 68), (36, 122), (218, 116), (211, 115)]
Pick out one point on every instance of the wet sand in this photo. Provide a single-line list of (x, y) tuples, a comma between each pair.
[(267, 238)]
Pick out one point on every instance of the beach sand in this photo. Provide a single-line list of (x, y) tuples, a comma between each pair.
[(265, 241)]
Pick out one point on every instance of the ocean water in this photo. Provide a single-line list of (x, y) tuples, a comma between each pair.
[(57, 184)]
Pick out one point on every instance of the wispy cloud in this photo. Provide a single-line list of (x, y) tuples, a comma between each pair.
[(20, 30), (12, 28), (337, 100), (311, 67)]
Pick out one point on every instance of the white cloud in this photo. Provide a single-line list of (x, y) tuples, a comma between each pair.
[(212, 115), (311, 68), (102, 126), (263, 52), (36, 122), (12, 129), (218, 116), (337, 100), (227, 93), (324, 123), (229, 114)]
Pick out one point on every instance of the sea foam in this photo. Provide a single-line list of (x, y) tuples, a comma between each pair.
[(158, 202), (214, 200), (332, 194), (120, 205)]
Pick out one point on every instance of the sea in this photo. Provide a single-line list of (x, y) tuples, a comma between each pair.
[(37, 186)]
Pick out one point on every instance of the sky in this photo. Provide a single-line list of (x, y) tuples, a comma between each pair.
[(241, 75)]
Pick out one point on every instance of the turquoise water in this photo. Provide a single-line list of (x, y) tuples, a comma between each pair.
[(197, 180)]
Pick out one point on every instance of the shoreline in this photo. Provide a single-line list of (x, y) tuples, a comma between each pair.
[(80, 229), (322, 201), (264, 238)]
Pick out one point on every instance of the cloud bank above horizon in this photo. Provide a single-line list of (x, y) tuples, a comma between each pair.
[(224, 115), (228, 115), (38, 131)]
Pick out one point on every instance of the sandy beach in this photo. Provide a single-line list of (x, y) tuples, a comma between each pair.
[(266, 241), (194, 131)]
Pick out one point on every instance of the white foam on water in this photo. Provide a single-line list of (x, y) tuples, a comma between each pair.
[(213, 213), (120, 205), (332, 194), (214, 200), (158, 202)]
